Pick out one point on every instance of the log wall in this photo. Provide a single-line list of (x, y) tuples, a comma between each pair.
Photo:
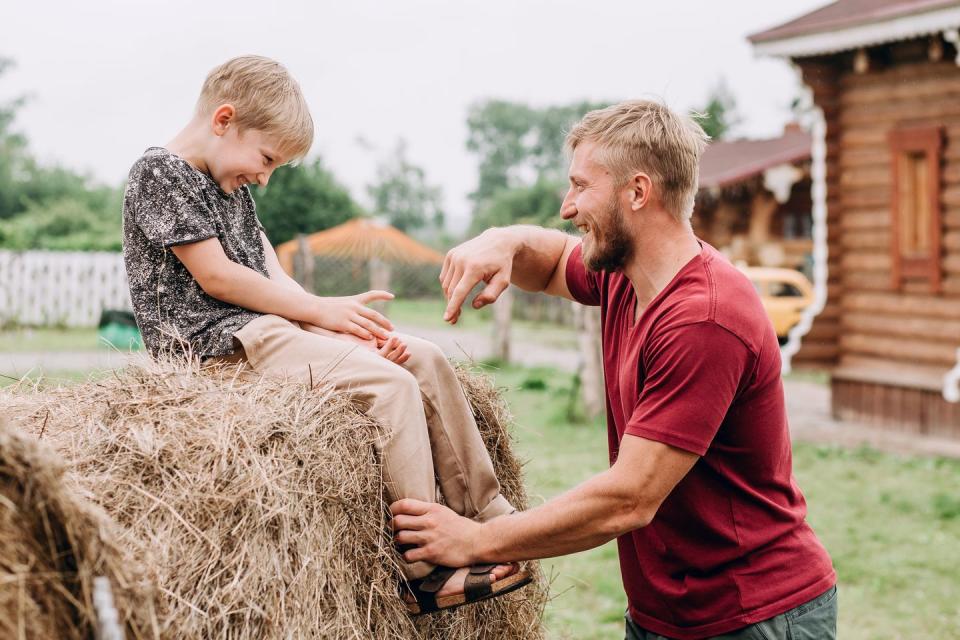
[(891, 345)]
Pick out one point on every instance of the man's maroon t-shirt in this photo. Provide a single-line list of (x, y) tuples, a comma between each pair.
[(700, 370)]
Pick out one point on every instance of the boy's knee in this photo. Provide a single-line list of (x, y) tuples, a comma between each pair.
[(426, 352), (398, 378)]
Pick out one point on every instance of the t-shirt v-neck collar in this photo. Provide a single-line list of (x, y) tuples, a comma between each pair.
[(635, 317)]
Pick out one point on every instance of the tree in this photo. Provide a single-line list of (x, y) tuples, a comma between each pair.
[(50, 207), (518, 145), (537, 204), (12, 153), (720, 114), (67, 224), (302, 199), (401, 194)]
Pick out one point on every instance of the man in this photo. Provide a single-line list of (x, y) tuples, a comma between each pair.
[(700, 493)]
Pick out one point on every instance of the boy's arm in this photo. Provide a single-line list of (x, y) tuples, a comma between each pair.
[(394, 349), (274, 268), (233, 283)]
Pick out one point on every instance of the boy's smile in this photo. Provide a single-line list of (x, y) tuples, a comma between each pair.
[(243, 158)]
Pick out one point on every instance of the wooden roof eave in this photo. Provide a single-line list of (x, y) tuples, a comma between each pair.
[(944, 20)]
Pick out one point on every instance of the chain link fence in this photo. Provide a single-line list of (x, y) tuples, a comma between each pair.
[(344, 277)]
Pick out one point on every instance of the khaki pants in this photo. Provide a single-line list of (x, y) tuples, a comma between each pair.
[(430, 434)]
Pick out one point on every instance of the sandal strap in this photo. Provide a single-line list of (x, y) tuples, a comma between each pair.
[(433, 582), (425, 589), (477, 584), (482, 568)]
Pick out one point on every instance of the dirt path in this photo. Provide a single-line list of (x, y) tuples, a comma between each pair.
[(808, 403)]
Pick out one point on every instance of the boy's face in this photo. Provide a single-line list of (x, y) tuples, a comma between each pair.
[(243, 158)]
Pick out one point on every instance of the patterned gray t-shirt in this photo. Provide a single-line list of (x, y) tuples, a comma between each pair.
[(167, 203)]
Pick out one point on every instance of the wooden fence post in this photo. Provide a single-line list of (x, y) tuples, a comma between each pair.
[(304, 263), (380, 274), (593, 391), (502, 314)]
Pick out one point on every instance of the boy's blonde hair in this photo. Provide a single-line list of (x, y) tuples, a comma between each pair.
[(645, 135), (266, 98)]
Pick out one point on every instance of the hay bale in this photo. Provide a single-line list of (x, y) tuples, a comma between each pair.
[(54, 544), (257, 506)]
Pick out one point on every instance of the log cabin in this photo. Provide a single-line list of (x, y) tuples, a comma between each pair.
[(883, 80), (754, 200)]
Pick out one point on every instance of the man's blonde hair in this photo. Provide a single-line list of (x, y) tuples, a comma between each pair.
[(266, 98), (645, 135)]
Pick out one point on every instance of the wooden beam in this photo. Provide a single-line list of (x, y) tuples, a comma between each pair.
[(899, 304)]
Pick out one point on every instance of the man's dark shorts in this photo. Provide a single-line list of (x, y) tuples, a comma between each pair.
[(814, 620)]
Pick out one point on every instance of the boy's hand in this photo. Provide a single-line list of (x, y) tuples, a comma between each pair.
[(393, 348), (350, 314), (346, 337)]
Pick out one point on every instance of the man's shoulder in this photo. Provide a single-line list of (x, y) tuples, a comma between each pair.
[(715, 293), (736, 305)]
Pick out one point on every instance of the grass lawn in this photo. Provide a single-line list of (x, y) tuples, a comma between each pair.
[(50, 378), (428, 313), (44, 339), (891, 524)]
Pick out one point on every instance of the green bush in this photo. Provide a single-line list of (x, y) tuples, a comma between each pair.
[(66, 224)]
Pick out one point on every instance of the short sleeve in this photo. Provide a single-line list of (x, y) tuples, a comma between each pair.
[(168, 207), (693, 373), (584, 285)]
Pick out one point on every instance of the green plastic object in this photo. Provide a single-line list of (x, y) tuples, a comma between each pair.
[(118, 330)]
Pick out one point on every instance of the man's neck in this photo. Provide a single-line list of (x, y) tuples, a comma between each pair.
[(657, 258)]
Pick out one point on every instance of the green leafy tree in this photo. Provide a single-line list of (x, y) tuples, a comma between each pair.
[(67, 224), (302, 199), (517, 145), (12, 153), (498, 132), (402, 196), (719, 115), (537, 204), (522, 165)]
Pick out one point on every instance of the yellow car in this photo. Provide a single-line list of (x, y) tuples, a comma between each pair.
[(785, 293)]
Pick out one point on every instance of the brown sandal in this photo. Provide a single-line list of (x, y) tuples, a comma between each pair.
[(476, 587)]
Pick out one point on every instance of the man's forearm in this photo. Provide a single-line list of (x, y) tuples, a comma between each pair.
[(587, 516), (536, 253)]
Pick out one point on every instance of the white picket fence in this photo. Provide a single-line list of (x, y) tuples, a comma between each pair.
[(59, 288)]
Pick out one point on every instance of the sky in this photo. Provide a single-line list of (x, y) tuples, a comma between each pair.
[(107, 78)]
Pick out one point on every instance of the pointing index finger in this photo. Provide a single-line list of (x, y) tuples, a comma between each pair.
[(459, 295)]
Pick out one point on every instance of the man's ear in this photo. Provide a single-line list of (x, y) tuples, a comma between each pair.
[(222, 117), (640, 186)]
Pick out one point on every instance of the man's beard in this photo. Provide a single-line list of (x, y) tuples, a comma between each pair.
[(612, 248)]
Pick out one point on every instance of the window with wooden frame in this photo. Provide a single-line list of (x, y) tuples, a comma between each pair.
[(915, 205)]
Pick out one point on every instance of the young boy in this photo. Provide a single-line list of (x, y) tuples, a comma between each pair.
[(204, 279)]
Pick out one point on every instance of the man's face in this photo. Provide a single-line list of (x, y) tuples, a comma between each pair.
[(593, 204), (243, 158)]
